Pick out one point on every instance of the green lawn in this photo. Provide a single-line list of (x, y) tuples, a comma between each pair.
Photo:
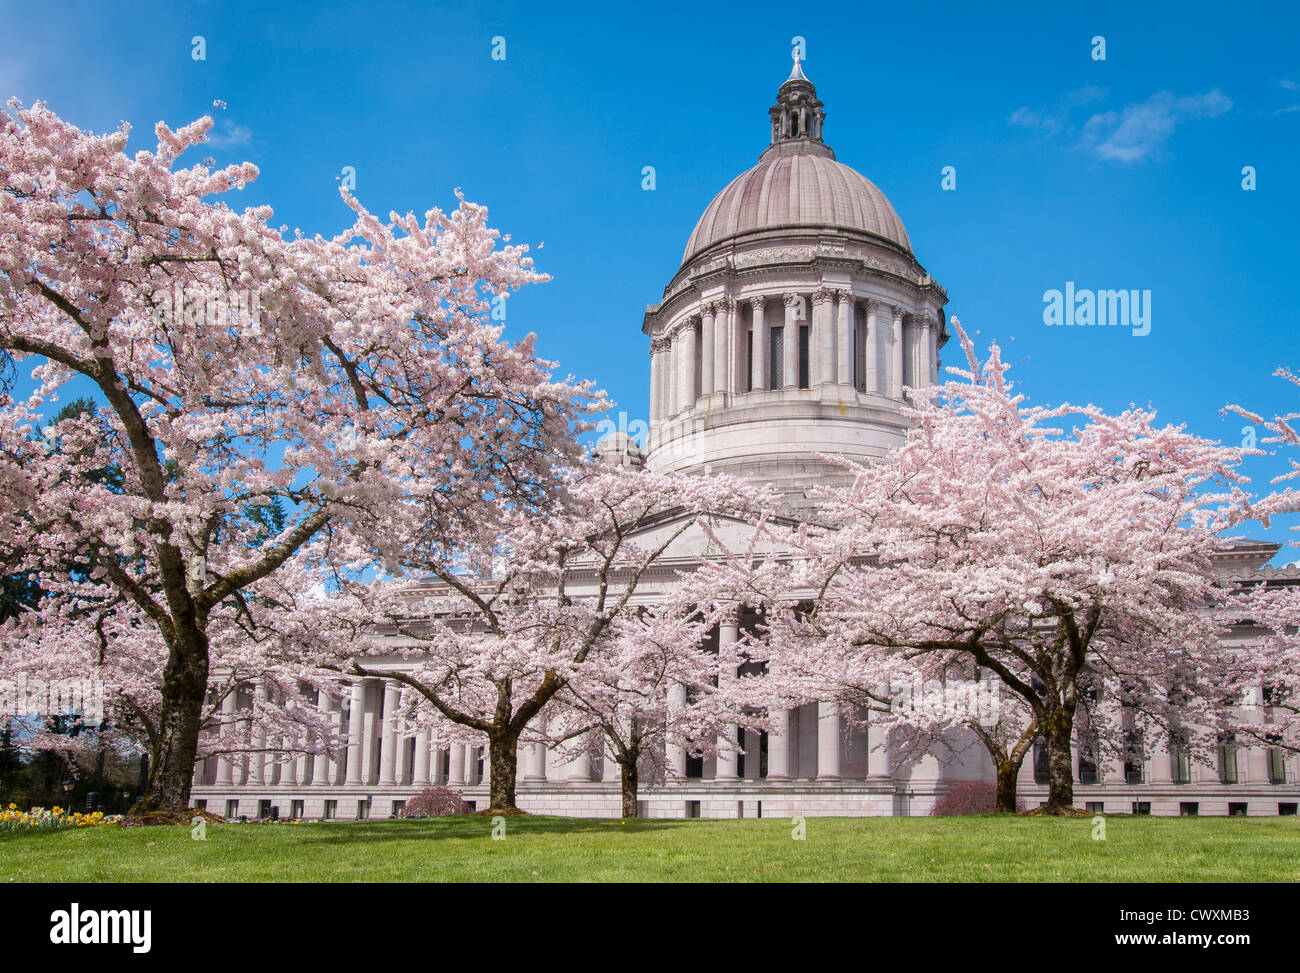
[(542, 849)]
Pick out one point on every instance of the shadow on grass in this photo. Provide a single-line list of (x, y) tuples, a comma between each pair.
[(462, 826)]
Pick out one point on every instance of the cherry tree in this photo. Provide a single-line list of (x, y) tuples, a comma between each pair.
[(89, 651), (490, 621), (657, 683), (998, 541), (359, 380)]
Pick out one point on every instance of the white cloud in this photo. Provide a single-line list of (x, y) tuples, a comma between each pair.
[(1139, 131), (233, 136), (1054, 120)]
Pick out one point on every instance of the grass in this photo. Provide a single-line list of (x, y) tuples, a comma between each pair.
[(547, 849)]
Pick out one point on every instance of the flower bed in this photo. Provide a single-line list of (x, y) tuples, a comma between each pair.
[(43, 819)]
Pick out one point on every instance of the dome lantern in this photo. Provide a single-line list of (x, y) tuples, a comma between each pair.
[(797, 116)]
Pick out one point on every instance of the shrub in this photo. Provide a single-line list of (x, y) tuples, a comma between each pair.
[(970, 797), (434, 802)]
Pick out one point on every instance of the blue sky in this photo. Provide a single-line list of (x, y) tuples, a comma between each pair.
[(1122, 173)]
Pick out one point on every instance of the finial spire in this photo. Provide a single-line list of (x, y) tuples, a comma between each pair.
[(796, 74)]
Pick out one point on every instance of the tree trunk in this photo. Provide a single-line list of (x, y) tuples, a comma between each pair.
[(1060, 762), (171, 771), (503, 761), (629, 788), (1008, 778)]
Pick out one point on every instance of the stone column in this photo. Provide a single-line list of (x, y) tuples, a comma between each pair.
[(872, 364), (535, 763), (431, 760), (609, 769), (896, 363), (925, 371), (356, 730), (932, 337), (456, 770), (790, 343), (758, 375), (684, 353), (370, 736), (728, 633), (656, 376), (828, 741), (823, 338), (225, 768), (675, 754), (672, 377), (723, 345), (1112, 720), (909, 350), (297, 772), (402, 754), (877, 751), (258, 760), (707, 345), (420, 773), (340, 742), (1162, 771), (740, 349), (666, 379), (319, 762), (778, 746), (844, 351), (579, 767), (388, 741)]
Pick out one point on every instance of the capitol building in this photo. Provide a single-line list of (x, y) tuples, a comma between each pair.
[(797, 318)]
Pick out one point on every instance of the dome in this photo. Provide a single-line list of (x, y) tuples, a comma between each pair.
[(792, 190), (795, 325)]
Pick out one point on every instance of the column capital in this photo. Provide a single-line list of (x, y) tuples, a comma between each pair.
[(898, 311), (727, 303), (792, 300), (823, 295), (709, 308), (758, 302), (873, 304)]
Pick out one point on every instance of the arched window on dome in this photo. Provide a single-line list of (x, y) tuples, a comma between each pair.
[(794, 125)]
